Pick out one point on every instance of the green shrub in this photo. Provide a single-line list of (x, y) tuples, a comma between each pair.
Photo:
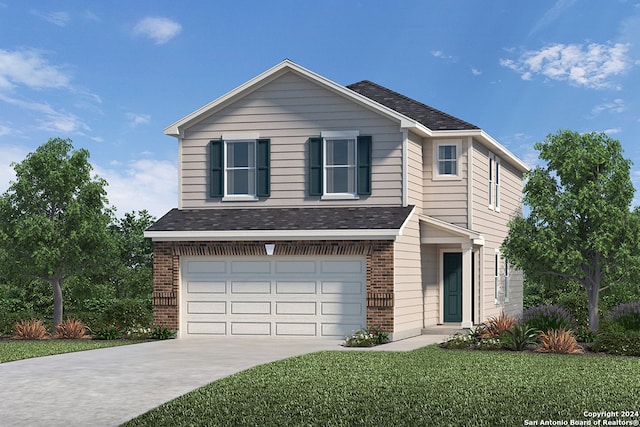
[(162, 333), (128, 314), (519, 337), (367, 338), (615, 340), (107, 333), (548, 317), (584, 334), (626, 315)]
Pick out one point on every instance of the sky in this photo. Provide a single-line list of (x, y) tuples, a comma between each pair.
[(112, 75)]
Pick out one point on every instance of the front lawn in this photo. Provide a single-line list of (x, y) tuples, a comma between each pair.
[(11, 350), (428, 386)]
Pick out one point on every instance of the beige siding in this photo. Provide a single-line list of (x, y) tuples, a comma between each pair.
[(445, 199), (408, 317), (493, 225), (289, 110), (431, 285), (415, 172)]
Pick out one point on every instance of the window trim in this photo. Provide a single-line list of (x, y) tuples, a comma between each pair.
[(498, 174), (240, 197), (437, 176), (339, 135), (491, 180), (507, 275), (496, 273)]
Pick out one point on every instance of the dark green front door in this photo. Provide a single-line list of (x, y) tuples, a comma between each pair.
[(452, 278)]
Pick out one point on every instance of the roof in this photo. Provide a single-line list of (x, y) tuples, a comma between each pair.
[(255, 223), (430, 117)]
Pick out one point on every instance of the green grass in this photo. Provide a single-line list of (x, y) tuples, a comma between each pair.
[(429, 386), (11, 350)]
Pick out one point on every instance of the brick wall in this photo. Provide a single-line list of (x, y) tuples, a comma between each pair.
[(379, 255)]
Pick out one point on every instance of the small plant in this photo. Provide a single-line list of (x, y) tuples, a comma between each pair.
[(559, 341), (626, 315), (519, 337), (31, 329), (162, 333), (380, 337), (548, 317), (107, 333), (495, 326), (617, 342), (492, 343), (367, 338), (459, 341), (70, 329), (584, 334)]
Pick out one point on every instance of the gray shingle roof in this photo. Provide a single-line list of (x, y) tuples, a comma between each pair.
[(424, 114), (347, 218)]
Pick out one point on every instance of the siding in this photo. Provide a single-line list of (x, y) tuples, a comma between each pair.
[(493, 226), (415, 172), (408, 316), (431, 285), (445, 199), (289, 110)]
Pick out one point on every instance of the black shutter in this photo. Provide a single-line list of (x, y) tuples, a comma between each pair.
[(263, 167), (216, 148), (315, 166), (364, 165)]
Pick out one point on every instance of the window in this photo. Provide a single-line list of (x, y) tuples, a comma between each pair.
[(494, 182), (340, 165), (496, 274), (446, 159), (240, 169), (506, 280)]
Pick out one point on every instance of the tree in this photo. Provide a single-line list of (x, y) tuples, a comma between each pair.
[(580, 226), (53, 219)]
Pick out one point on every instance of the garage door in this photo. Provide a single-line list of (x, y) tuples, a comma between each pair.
[(273, 296)]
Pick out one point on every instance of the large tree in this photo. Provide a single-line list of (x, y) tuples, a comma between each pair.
[(580, 226), (53, 217)]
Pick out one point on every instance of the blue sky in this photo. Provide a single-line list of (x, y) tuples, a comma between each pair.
[(112, 75)]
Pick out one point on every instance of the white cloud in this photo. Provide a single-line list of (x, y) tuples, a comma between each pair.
[(158, 29), (8, 155), (138, 119), (475, 71), (615, 106), (593, 66), (29, 68), (61, 19), (51, 119), (552, 14), (441, 55), (141, 184), (612, 131)]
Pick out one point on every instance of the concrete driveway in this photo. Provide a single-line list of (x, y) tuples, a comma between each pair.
[(109, 386)]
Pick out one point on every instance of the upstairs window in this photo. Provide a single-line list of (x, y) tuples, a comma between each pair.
[(494, 182), (340, 165), (239, 169), (496, 277), (506, 281), (446, 159)]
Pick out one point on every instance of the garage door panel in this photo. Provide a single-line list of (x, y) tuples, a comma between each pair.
[(259, 307), (206, 287), (296, 329), (207, 328), (297, 308), (207, 307), (342, 288), (250, 287), (276, 295), (251, 267), (294, 288), (338, 308), (250, 328), (207, 267)]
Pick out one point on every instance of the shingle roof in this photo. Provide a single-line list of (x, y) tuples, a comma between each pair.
[(430, 117), (347, 218)]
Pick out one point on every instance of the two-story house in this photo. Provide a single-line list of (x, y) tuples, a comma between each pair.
[(307, 208)]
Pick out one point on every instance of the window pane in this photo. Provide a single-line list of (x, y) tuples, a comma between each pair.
[(240, 154), (447, 152), (341, 152), (241, 181), (341, 180)]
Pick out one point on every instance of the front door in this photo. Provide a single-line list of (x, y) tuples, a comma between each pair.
[(452, 283)]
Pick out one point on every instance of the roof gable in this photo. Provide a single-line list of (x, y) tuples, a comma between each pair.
[(430, 117)]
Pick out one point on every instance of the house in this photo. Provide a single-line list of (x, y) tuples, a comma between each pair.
[(307, 208)]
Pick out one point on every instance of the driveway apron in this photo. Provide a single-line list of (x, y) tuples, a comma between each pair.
[(107, 387)]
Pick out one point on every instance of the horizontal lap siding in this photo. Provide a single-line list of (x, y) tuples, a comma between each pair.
[(494, 225), (445, 199), (408, 317), (288, 111)]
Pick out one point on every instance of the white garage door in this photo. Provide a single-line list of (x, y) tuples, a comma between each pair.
[(283, 296)]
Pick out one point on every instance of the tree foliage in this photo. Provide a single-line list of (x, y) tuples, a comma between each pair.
[(580, 227), (53, 218)]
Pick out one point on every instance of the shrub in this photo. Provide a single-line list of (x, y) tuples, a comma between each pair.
[(519, 337), (71, 329), (380, 337), (128, 314), (495, 326), (459, 341), (31, 329), (584, 334), (618, 342), (367, 338), (558, 341), (491, 343), (626, 315), (107, 333), (162, 333), (548, 317)]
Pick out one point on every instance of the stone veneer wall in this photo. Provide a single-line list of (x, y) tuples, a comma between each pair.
[(380, 273)]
